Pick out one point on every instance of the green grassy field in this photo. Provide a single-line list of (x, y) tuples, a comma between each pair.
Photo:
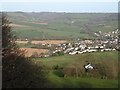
[(71, 82), (67, 59), (60, 25), (56, 77)]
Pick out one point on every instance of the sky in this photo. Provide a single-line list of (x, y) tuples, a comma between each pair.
[(59, 5)]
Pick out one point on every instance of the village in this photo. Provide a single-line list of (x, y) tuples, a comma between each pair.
[(59, 44), (108, 42)]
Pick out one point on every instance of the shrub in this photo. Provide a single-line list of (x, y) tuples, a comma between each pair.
[(75, 69), (69, 71), (103, 69), (59, 53), (56, 67)]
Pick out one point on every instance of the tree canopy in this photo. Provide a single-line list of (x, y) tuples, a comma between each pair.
[(17, 70)]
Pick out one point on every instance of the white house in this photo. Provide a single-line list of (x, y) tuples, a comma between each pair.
[(92, 50), (73, 53), (79, 52), (88, 66)]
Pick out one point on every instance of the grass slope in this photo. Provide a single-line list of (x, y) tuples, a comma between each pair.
[(57, 81), (62, 25), (67, 59)]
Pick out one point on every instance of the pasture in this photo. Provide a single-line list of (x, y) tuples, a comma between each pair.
[(56, 65), (50, 25)]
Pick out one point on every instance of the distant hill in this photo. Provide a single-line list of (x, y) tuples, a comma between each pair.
[(52, 25)]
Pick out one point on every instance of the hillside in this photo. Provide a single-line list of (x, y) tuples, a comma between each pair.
[(52, 25), (56, 66)]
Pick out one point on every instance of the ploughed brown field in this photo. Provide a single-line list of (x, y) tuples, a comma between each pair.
[(43, 42), (49, 42), (30, 51), (22, 42)]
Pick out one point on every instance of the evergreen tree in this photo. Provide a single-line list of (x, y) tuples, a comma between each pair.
[(17, 70)]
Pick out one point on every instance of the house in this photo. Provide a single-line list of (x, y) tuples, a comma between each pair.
[(107, 49), (68, 50), (96, 47), (88, 66), (46, 56), (73, 53), (101, 47), (82, 47), (113, 49), (79, 52), (90, 47), (91, 50), (84, 51), (76, 48), (49, 45), (102, 50)]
